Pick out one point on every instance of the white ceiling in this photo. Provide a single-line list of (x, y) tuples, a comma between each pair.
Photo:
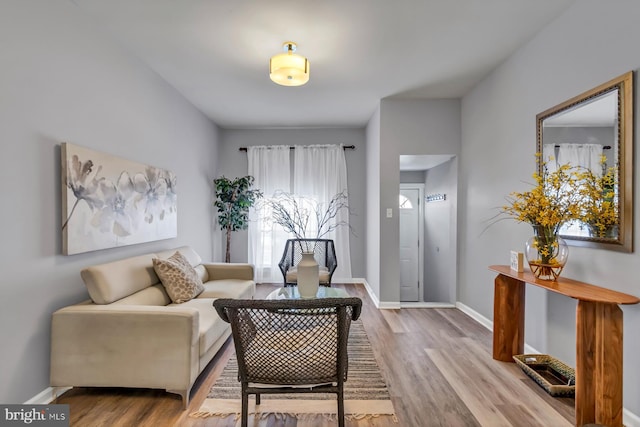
[(216, 52), (422, 162), (600, 111)]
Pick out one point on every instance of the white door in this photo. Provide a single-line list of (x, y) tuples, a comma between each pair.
[(410, 245)]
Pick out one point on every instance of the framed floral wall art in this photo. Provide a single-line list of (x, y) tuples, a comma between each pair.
[(109, 201)]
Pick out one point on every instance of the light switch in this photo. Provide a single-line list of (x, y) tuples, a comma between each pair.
[(389, 212)]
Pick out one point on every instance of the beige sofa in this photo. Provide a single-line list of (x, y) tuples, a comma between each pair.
[(130, 334)]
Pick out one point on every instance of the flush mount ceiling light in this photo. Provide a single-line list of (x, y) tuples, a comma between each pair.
[(289, 69)]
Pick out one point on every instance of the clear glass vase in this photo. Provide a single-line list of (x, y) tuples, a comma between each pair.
[(546, 253)]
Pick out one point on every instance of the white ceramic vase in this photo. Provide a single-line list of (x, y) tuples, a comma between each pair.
[(308, 276)]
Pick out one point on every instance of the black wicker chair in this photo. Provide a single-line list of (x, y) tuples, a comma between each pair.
[(290, 346), (324, 252)]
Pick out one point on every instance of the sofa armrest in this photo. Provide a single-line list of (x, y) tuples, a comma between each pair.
[(125, 346), (222, 270)]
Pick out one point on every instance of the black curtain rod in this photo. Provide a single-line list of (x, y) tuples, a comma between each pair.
[(349, 147), (606, 147)]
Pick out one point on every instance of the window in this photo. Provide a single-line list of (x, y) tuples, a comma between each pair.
[(270, 165), (405, 203)]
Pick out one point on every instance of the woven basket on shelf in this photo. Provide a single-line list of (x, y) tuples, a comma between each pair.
[(531, 364)]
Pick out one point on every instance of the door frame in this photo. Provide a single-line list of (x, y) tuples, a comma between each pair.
[(421, 201)]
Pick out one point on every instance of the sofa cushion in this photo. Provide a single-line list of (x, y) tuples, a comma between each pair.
[(153, 295), (109, 282), (186, 251), (229, 288), (292, 275), (194, 259), (178, 277), (202, 272), (212, 327)]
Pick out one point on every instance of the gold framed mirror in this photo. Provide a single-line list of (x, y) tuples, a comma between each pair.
[(594, 130)]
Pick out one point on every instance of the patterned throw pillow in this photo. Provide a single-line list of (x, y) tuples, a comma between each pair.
[(178, 277)]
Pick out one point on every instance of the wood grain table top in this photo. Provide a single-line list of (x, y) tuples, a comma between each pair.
[(569, 287)]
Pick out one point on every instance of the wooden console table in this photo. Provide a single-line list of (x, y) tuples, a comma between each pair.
[(598, 396)]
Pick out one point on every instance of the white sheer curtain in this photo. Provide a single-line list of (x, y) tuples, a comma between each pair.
[(549, 156), (580, 155), (320, 172), (270, 167), (584, 155)]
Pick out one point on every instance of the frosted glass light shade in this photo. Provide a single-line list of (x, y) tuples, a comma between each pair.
[(289, 69)]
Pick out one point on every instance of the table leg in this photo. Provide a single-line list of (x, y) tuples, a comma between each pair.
[(508, 318), (609, 365), (598, 364), (585, 363)]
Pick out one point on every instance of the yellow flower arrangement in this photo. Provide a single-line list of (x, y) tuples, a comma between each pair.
[(567, 194), (551, 203), (599, 200)]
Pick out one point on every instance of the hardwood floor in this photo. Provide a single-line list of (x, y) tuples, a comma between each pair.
[(437, 364)]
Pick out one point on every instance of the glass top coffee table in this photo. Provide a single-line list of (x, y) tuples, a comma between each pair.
[(291, 292)]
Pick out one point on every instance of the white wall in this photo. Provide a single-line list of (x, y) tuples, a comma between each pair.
[(440, 234), (591, 43), (412, 177), (407, 127), (233, 163), (374, 210), (63, 81)]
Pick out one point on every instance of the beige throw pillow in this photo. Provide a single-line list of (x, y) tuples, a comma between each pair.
[(178, 277)]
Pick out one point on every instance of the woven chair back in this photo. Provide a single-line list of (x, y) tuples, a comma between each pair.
[(291, 342), (323, 250)]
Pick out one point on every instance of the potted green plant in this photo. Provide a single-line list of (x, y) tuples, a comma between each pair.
[(233, 200)]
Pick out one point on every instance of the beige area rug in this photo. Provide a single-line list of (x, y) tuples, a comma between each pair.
[(365, 392)]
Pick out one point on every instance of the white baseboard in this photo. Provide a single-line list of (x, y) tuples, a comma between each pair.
[(475, 315), (397, 305), (384, 305), (530, 350), (380, 305), (629, 419), (372, 294), (351, 280), (389, 305), (426, 305), (488, 323), (46, 396)]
